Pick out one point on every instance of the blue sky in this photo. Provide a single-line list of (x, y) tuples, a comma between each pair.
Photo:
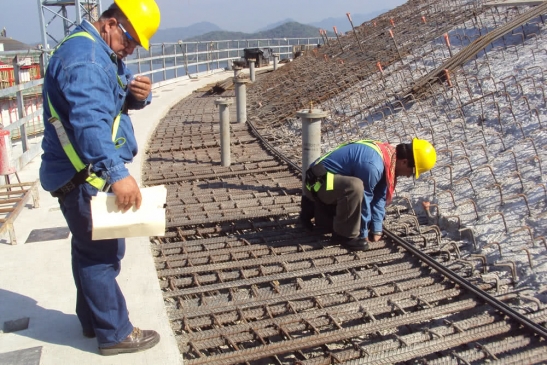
[(20, 17)]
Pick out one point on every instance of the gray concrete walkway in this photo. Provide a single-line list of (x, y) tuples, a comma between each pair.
[(36, 278)]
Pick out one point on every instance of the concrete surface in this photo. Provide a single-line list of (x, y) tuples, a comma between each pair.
[(36, 278)]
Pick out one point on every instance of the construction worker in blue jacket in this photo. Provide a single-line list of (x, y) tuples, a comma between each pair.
[(88, 139), (348, 188)]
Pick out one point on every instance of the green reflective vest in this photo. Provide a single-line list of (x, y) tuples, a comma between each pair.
[(329, 178)]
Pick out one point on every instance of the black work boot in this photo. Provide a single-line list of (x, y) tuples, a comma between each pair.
[(307, 213), (352, 244)]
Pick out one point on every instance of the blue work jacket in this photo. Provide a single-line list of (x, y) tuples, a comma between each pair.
[(82, 84), (363, 162)]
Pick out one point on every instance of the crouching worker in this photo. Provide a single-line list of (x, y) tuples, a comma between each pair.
[(348, 188)]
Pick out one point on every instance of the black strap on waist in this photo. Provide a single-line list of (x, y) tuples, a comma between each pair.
[(78, 179), (314, 175)]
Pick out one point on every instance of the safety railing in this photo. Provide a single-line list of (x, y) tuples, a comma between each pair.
[(168, 61), (21, 104)]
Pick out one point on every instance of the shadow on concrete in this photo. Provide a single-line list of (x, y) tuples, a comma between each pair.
[(45, 325), (6, 241)]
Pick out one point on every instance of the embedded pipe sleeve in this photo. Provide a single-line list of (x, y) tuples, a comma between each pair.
[(224, 111), (311, 137)]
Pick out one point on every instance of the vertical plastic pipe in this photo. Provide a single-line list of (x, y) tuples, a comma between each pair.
[(237, 70), (241, 99), (224, 111), (252, 68), (275, 56), (311, 137)]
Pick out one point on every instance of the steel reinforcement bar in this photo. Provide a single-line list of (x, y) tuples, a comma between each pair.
[(482, 295), (471, 50)]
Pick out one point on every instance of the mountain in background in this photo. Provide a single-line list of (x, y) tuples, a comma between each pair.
[(342, 23), (176, 34), (192, 32), (286, 30), (275, 25)]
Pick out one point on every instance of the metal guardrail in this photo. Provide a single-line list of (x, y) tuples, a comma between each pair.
[(7, 92), (166, 61), (196, 57)]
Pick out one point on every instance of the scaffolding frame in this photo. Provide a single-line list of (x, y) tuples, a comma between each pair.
[(50, 12)]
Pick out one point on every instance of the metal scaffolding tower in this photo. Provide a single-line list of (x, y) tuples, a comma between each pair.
[(51, 12)]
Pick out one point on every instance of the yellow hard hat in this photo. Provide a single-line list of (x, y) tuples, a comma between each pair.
[(425, 156), (144, 16)]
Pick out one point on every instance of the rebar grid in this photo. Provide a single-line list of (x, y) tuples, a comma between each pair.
[(300, 304), (244, 283)]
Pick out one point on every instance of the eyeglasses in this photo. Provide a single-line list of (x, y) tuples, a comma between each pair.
[(132, 41)]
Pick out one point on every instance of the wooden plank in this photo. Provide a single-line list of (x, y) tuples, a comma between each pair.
[(7, 222), (11, 201), (5, 186), (13, 192)]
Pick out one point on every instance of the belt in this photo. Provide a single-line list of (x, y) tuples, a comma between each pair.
[(78, 179)]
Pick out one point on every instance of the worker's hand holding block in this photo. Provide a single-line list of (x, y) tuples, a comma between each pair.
[(110, 222)]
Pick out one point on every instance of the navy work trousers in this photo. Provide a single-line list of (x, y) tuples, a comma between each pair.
[(100, 304)]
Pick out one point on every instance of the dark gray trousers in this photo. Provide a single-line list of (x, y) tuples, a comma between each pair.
[(345, 200)]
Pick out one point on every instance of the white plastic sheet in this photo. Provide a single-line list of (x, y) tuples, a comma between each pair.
[(111, 222)]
